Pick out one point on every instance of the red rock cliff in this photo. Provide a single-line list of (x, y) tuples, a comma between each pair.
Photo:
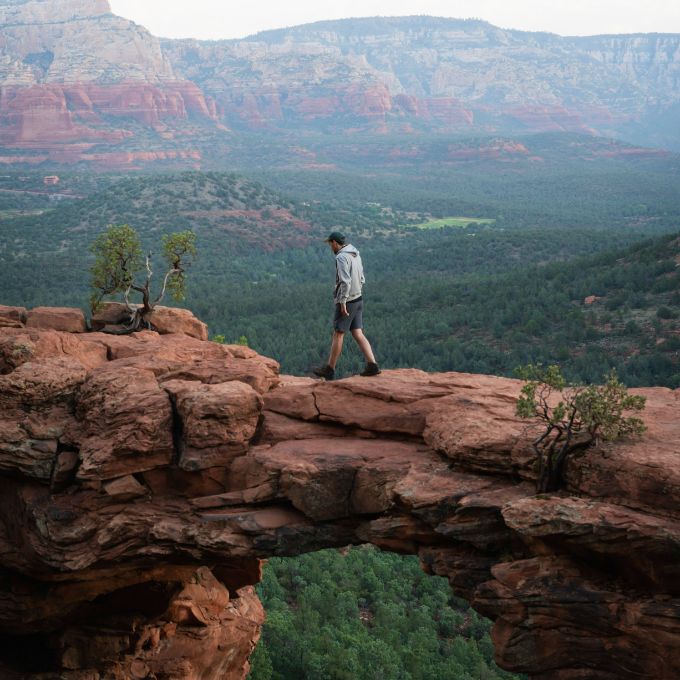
[(73, 75), (145, 477)]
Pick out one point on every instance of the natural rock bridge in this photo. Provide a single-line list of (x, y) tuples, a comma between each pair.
[(143, 478)]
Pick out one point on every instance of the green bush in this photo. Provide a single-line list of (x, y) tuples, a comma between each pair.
[(573, 417), (666, 313)]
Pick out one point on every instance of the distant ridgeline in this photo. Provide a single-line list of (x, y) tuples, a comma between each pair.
[(74, 74)]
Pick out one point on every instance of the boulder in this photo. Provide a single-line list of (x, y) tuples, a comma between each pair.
[(22, 345), (125, 488), (165, 320), (294, 398), (172, 320), (12, 317), (66, 319), (127, 423), (260, 374), (216, 422)]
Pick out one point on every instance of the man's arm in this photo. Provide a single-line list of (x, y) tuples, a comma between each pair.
[(344, 283)]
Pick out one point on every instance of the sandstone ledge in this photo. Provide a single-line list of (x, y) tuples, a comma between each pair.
[(159, 469), (164, 320)]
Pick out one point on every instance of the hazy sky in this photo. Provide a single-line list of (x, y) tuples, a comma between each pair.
[(212, 19)]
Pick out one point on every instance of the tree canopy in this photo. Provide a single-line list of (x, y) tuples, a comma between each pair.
[(119, 261)]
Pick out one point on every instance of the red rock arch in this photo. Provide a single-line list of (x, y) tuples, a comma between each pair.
[(158, 470)]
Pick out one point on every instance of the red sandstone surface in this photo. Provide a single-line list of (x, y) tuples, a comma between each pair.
[(144, 477)]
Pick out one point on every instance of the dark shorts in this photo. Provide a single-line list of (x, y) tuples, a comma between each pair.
[(354, 321)]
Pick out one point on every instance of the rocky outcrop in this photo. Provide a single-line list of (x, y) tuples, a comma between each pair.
[(76, 41), (65, 319), (164, 320), (12, 316), (144, 478), (47, 116)]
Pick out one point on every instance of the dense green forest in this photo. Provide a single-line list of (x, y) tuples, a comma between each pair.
[(484, 303), (561, 181), (364, 614), (484, 298)]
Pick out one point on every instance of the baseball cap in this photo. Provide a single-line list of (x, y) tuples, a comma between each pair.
[(337, 237)]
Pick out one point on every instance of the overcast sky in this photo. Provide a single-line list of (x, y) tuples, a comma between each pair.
[(213, 19)]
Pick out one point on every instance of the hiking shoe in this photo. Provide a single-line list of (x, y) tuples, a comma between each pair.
[(324, 372), (371, 369)]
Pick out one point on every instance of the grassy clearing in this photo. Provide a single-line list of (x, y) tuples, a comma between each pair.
[(453, 222), (10, 214)]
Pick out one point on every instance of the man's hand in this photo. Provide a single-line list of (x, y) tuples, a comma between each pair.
[(343, 310)]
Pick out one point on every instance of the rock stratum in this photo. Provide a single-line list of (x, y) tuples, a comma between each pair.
[(145, 477), (79, 84), (440, 74), (75, 79)]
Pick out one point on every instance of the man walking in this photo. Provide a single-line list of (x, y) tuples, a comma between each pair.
[(349, 306)]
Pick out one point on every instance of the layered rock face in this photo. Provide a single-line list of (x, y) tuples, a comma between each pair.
[(443, 74), (144, 478), (73, 75), (75, 79), (76, 41)]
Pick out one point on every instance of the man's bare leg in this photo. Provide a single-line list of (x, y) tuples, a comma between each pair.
[(364, 345), (336, 348)]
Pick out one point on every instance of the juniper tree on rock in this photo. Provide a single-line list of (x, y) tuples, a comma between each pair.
[(573, 417), (121, 269)]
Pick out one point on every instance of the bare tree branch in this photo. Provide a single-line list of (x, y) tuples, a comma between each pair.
[(149, 272), (127, 299), (165, 284)]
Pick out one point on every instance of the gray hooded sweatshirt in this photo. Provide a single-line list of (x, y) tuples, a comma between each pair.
[(349, 275)]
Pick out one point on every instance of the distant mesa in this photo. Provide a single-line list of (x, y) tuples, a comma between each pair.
[(74, 74)]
